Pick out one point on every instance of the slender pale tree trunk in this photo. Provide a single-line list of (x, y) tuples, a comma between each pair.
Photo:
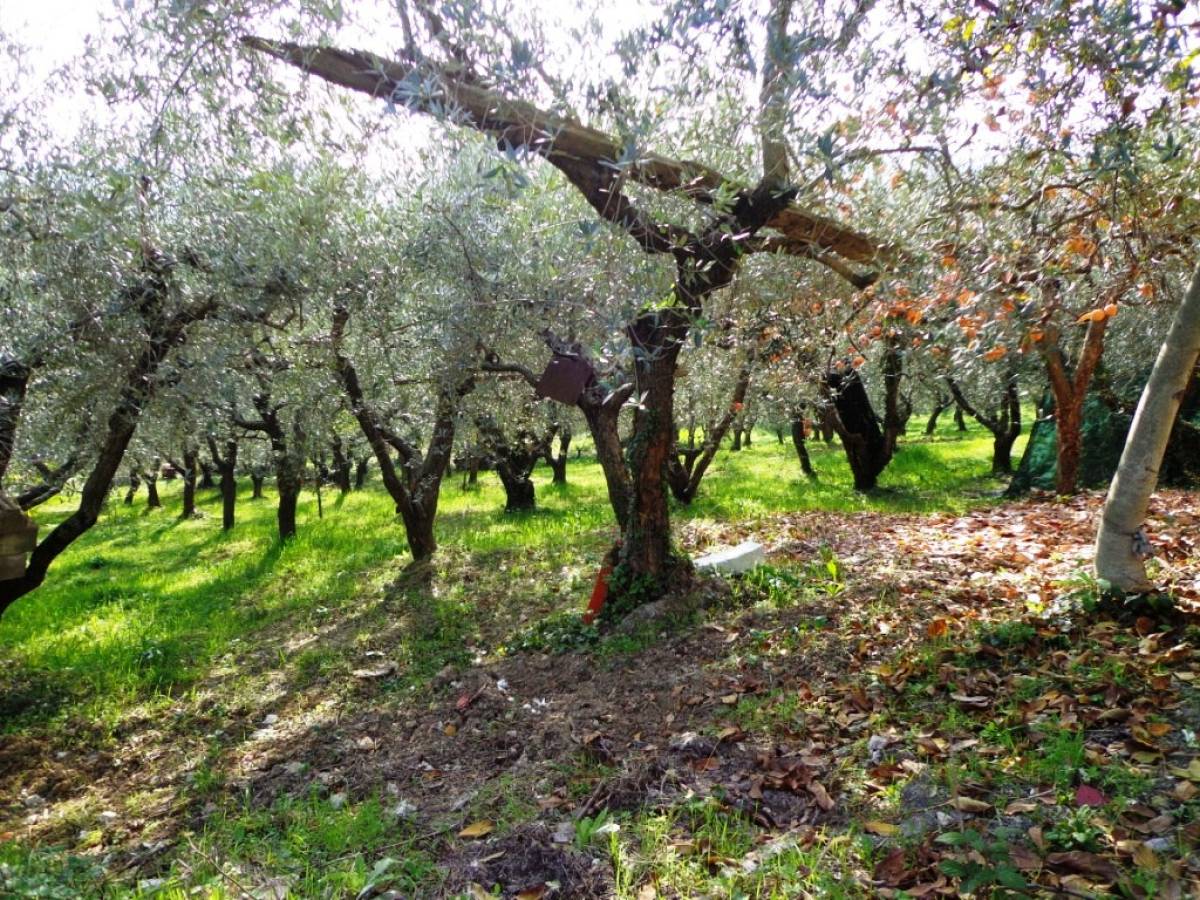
[(1117, 558)]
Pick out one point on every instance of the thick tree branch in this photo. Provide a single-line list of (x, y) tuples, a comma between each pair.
[(434, 90)]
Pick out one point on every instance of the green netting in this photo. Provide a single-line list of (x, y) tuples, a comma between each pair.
[(1103, 439)]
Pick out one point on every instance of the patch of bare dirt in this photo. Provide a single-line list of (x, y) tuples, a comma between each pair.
[(527, 861)]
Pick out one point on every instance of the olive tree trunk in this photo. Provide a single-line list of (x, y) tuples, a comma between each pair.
[(1117, 558)]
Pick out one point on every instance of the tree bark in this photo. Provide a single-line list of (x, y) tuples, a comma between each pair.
[(894, 417), (558, 463), (514, 458), (227, 468), (687, 466), (341, 466), (960, 423), (206, 475), (361, 466), (134, 483), (567, 144), (1069, 393), (256, 485), (1119, 540), (828, 420), (150, 476), (800, 442), (601, 410), (188, 473), (941, 404), (14, 383), (286, 455), (858, 426)]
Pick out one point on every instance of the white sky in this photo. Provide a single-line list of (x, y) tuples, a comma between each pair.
[(57, 28)]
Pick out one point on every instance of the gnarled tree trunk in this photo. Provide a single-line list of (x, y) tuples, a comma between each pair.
[(1069, 393), (856, 423), (1004, 425), (940, 405), (187, 472), (341, 466), (558, 462), (800, 442), (416, 491), (227, 469)]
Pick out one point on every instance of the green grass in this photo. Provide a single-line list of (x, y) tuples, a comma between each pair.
[(146, 610), (144, 603)]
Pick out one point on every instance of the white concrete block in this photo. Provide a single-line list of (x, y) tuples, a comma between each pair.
[(742, 558)]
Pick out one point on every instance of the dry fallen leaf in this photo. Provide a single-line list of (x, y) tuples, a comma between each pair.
[(970, 804), (1090, 864), (477, 829), (823, 799), (537, 892), (1020, 806), (883, 829)]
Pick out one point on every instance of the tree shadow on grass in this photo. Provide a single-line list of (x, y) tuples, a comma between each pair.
[(157, 640)]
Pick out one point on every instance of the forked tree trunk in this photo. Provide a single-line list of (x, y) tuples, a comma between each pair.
[(940, 406), (704, 261), (416, 491), (1005, 426), (515, 458), (1119, 538), (287, 456), (256, 485), (736, 446), (558, 463), (1069, 393)]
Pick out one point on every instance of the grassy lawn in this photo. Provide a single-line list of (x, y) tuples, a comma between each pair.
[(144, 602), (875, 713)]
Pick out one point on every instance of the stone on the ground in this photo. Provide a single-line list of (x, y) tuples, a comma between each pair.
[(742, 558)]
